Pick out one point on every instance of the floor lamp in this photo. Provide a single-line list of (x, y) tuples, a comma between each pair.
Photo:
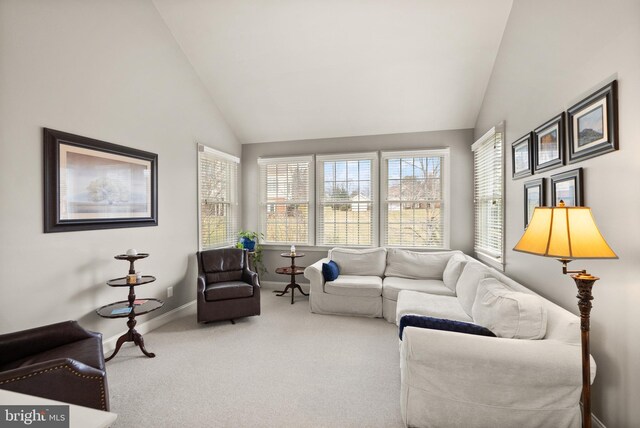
[(568, 233)]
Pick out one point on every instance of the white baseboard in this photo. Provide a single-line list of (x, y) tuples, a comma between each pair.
[(279, 285), (597, 423), (273, 285), (147, 326)]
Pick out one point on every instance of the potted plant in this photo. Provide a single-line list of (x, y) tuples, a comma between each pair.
[(250, 241)]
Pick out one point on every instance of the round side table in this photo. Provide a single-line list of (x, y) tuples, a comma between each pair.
[(292, 271)]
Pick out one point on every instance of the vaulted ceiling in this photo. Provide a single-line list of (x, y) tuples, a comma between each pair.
[(301, 69)]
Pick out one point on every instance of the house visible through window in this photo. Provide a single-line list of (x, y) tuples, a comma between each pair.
[(285, 200), (415, 199), (488, 178), (217, 198), (347, 199)]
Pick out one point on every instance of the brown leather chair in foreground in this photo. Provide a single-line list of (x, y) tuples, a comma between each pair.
[(62, 362), (227, 289)]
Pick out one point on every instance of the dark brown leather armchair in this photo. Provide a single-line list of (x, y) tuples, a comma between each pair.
[(227, 289), (62, 362)]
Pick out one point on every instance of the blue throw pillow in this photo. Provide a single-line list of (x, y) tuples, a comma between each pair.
[(443, 324), (330, 271)]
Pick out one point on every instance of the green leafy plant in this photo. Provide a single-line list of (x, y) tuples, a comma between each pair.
[(254, 236), (257, 254)]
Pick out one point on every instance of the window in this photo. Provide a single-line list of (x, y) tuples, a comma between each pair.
[(347, 199), (217, 198), (285, 204), (488, 190), (415, 199)]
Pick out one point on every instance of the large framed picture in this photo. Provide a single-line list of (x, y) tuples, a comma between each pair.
[(92, 184), (593, 124), (534, 196), (567, 187), (548, 144), (522, 156)]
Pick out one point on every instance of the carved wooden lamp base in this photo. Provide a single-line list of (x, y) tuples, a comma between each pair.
[(584, 282)]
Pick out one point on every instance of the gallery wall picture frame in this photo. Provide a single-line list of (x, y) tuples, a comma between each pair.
[(534, 196), (522, 156), (568, 187), (593, 124), (548, 144), (92, 184)]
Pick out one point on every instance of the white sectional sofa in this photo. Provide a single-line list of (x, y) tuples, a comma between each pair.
[(371, 279), (528, 376)]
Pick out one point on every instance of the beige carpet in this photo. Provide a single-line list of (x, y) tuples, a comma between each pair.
[(285, 368)]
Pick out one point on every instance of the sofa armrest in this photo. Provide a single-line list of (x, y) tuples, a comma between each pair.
[(62, 379), (43, 368), (314, 274), (250, 277), (202, 283), (20, 344), (492, 371)]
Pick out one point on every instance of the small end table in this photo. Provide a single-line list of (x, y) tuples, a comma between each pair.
[(292, 270), (131, 307)]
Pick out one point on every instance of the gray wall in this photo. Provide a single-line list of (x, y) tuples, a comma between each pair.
[(553, 54), (459, 142), (111, 71)]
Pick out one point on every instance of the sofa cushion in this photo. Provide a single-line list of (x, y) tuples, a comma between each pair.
[(508, 313), (467, 285), (431, 305), (222, 260), (442, 324), (330, 271), (453, 270), (368, 262), (230, 275), (562, 325), (416, 265), (355, 285), (227, 290), (392, 285)]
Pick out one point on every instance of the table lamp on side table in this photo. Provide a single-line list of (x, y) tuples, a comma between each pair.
[(568, 233)]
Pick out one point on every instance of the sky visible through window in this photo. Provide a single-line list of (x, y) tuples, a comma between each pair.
[(354, 177)]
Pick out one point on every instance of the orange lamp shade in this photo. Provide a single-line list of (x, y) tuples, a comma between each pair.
[(564, 233)]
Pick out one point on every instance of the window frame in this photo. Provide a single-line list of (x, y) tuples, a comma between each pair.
[(262, 201), (445, 176), (489, 255), (233, 226), (375, 193)]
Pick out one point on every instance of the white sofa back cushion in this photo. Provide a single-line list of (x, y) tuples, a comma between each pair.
[(416, 265), (507, 313), (562, 325), (367, 262), (467, 286), (453, 270)]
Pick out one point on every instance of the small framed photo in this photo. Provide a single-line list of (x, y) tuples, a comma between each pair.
[(534, 196), (548, 144), (593, 124), (522, 156), (91, 184), (567, 187)]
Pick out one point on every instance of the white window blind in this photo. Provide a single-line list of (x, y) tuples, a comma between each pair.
[(285, 200), (488, 178), (347, 199), (217, 198), (415, 199)]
